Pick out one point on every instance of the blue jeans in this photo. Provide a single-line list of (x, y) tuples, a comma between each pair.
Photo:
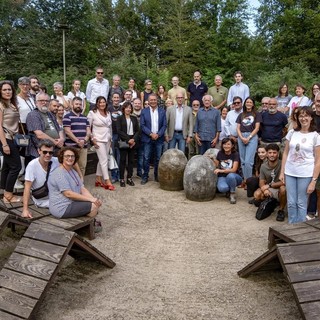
[(139, 160), (297, 198), (247, 153), (205, 145), (116, 153), (177, 138), (152, 147), (229, 183)]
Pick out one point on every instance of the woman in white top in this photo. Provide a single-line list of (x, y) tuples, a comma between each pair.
[(58, 95), (101, 128), (75, 92), (222, 135), (300, 165), (299, 100)]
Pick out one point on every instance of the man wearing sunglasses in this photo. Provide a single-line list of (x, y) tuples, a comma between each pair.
[(96, 87), (230, 123), (35, 175)]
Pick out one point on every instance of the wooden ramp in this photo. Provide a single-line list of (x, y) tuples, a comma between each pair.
[(35, 263)]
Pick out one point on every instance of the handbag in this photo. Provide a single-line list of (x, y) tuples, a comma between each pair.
[(123, 144), (266, 207), (42, 191), (21, 140), (112, 163)]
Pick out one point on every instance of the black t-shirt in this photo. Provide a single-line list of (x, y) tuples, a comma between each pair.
[(226, 161), (248, 122)]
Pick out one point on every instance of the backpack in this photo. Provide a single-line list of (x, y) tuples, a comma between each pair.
[(266, 207)]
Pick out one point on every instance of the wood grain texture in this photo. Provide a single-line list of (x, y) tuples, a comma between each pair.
[(311, 310), (44, 232), (31, 266), (307, 291), (22, 283), (7, 316), (39, 249), (305, 271), (300, 253), (16, 303)]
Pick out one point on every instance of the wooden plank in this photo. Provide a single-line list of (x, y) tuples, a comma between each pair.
[(307, 291), (39, 249), (42, 231), (305, 271), (31, 266), (4, 223), (16, 303), (83, 249), (294, 232), (299, 253), (21, 283), (60, 223), (314, 222), (312, 235), (258, 263), (311, 310), (7, 316)]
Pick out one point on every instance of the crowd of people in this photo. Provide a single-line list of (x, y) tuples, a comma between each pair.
[(272, 151)]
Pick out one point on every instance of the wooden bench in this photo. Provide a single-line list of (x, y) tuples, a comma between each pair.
[(34, 264), (301, 232), (82, 225)]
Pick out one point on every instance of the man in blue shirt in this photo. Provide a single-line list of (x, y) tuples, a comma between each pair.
[(207, 126), (239, 89), (273, 123)]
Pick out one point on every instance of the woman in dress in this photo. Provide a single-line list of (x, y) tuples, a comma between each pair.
[(132, 86), (227, 163), (128, 131), (75, 92), (300, 165), (162, 96), (248, 124), (283, 98), (9, 126), (101, 127), (68, 198)]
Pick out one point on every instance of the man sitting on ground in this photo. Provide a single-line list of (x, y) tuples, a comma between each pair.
[(270, 185)]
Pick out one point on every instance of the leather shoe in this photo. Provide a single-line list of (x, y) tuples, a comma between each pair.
[(122, 183), (130, 182)]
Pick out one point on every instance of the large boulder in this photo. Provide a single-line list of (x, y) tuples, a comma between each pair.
[(171, 168), (199, 181)]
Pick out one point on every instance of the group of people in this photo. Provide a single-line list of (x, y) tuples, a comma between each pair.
[(126, 124)]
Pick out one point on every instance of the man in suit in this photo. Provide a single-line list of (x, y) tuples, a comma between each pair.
[(179, 124), (153, 125)]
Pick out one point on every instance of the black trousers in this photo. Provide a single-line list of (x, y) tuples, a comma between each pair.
[(11, 166), (126, 158)]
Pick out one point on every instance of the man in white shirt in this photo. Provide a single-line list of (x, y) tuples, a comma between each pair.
[(230, 123), (96, 87)]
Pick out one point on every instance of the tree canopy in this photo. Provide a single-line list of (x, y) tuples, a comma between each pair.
[(160, 38)]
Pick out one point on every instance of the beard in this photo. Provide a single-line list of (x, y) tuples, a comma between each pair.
[(77, 110)]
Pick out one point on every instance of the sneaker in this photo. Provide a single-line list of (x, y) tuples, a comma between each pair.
[(310, 216), (144, 181), (122, 183), (18, 185), (252, 201), (233, 199), (97, 226), (280, 215)]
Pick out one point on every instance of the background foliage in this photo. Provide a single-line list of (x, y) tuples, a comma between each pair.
[(160, 38)]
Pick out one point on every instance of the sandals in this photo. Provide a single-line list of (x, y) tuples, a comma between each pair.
[(110, 187), (12, 199)]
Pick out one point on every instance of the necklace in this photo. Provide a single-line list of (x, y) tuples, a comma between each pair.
[(72, 175)]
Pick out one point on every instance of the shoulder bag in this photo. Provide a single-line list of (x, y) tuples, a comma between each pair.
[(42, 191)]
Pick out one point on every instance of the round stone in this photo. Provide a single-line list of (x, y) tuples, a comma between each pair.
[(199, 181), (171, 168)]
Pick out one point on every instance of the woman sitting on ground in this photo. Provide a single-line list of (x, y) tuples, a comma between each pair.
[(68, 198), (227, 164), (253, 182)]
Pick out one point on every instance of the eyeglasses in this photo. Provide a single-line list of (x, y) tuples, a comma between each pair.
[(99, 72), (43, 101), (196, 105), (237, 102), (71, 156), (46, 152), (180, 97)]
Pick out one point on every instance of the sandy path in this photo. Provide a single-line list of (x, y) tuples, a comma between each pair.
[(176, 259)]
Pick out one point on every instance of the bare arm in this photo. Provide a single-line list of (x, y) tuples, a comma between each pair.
[(26, 196)]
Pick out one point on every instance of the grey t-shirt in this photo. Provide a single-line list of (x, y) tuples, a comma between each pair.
[(270, 174), (50, 128), (61, 180)]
